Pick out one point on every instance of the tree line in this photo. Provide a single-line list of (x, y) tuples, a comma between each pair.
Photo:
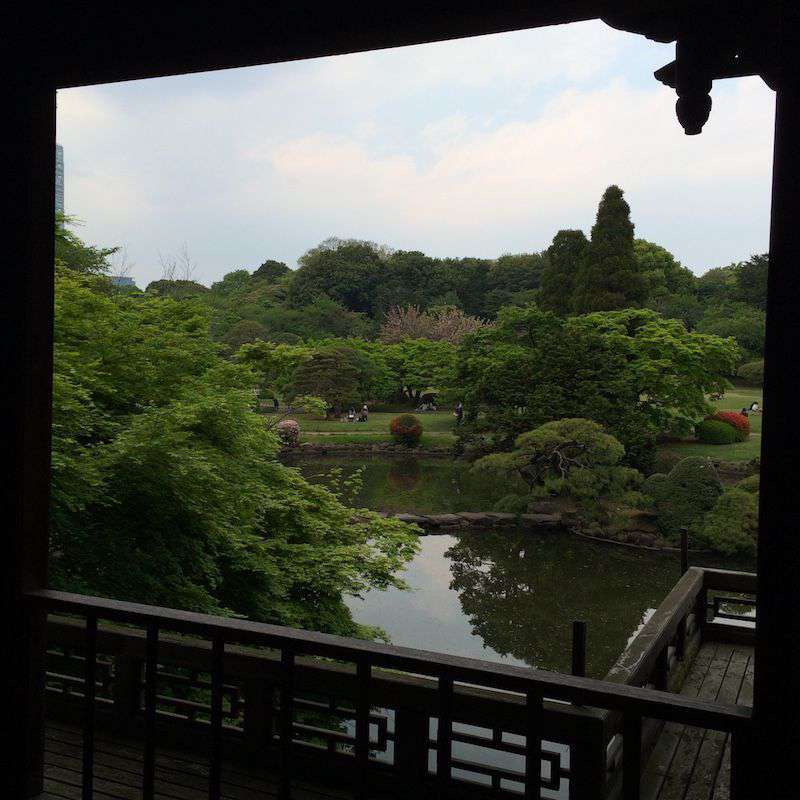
[(348, 287)]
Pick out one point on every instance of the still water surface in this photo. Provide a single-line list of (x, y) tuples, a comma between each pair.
[(512, 597), (508, 596)]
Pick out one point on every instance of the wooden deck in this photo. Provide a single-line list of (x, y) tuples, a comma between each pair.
[(118, 773), (693, 764)]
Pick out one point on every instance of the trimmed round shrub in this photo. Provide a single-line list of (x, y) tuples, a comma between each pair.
[(731, 527), (406, 429), (289, 432), (715, 431), (682, 498), (735, 420), (752, 372)]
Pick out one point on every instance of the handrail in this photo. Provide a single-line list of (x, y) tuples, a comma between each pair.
[(629, 700)]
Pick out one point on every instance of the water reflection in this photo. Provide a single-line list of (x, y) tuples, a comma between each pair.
[(512, 596)]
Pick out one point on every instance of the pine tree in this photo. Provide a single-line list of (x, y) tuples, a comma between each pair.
[(564, 260), (610, 278)]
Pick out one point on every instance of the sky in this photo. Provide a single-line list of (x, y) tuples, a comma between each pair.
[(473, 147)]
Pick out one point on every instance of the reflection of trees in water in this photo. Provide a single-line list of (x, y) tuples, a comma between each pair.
[(404, 474), (521, 593)]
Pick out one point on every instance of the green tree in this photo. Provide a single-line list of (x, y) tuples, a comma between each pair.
[(567, 457), (663, 275), (564, 260), (420, 365), (718, 286), (176, 289), (744, 323), (752, 281), (407, 279), (632, 371), (243, 332), (73, 254), (610, 277), (273, 364), (166, 484), (271, 271), (346, 271), (464, 280), (512, 277), (339, 374)]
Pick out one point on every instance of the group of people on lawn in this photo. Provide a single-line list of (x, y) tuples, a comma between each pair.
[(360, 416), (363, 414)]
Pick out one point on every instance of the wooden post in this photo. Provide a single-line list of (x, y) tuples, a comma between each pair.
[(776, 695), (684, 551), (579, 648), (27, 163), (411, 747), (259, 708), (127, 691)]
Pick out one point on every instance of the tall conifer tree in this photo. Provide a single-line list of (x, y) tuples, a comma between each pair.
[(564, 260), (610, 278)]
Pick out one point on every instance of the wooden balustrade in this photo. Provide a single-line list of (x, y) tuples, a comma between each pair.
[(221, 678)]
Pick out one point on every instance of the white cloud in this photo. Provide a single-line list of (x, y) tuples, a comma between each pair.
[(545, 171), (473, 147)]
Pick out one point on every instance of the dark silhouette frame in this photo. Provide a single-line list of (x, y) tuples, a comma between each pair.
[(50, 46)]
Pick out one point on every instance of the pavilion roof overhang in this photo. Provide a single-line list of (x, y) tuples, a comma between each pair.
[(102, 42)]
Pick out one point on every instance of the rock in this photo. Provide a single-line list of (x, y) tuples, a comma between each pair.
[(545, 520), (414, 519), (475, 517), (448, 519)]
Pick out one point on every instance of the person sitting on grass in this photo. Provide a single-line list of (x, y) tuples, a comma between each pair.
[(351, 414), (755, 408)]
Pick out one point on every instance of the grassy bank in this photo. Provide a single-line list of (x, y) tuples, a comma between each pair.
[(734, 400)]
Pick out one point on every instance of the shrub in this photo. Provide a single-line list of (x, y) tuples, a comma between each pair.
[(406, 429), (289, 432), (752, 372), (750, 484), (738, 421), (731, 526), (715, 431), (685, 495)]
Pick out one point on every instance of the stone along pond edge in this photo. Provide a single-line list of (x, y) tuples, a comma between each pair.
[(433, 524)]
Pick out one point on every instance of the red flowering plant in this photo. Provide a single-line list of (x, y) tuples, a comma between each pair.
[(736, 420), (406, 429)]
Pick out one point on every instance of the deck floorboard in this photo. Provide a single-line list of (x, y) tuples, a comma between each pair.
[(118, 773), (693, 764)]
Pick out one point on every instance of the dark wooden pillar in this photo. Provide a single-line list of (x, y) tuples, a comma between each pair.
[(777, 673), (27, 162)]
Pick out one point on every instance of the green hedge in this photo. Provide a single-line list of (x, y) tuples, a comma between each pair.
[(731, 527), (683, 497), (752, 372), (714, 431)]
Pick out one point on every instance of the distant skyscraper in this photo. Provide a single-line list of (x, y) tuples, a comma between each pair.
[(59, 179)]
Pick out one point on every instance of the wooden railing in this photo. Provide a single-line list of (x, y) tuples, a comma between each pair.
[(407, 718), (662, 651)]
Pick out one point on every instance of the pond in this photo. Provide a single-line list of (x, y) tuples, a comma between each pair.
[(512, 597), (411, 485), (503, 595)]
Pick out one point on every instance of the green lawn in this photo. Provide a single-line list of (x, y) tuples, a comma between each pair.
[(439, 423), (367, 437), (734, 400)]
